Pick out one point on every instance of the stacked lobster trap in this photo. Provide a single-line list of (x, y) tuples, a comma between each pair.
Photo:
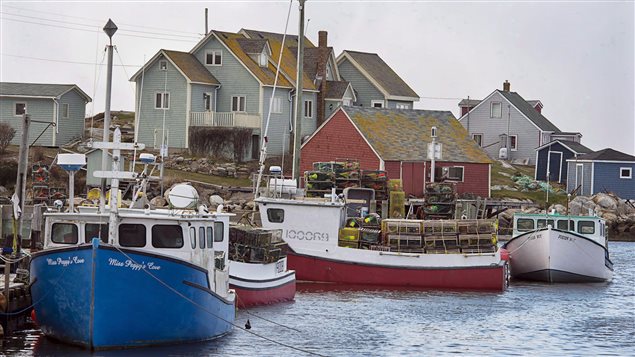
[(256, 245)]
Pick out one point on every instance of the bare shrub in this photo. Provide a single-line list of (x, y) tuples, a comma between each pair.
[(6, 135)]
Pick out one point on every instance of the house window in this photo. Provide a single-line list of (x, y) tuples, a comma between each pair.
[(308, 109), (263, 60), (214, 58), (20, 108), (402, 106), (377, 103), (276, 105), (65, 110), (478, 138), (207, 101), (163, 65), (238, 104), (347, 102), (513, 142), (626, 172), (455, 173), (496, 110), (162, 100)]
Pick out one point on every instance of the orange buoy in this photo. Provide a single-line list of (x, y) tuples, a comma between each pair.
[(33, 316), (504, 254)]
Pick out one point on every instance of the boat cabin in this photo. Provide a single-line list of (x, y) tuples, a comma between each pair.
[(587, 226)]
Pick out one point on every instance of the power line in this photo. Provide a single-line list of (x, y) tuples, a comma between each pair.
[(65, 61), (97, 30), (97, 20), (93, 26)]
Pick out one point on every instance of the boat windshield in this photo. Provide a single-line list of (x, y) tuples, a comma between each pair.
[(64, 233), (542, 223), (525, 224), (586, 227)]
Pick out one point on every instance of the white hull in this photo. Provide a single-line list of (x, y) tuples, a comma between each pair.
[(260, 276), (557, 256)]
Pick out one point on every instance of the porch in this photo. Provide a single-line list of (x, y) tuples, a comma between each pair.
[(225, 119)]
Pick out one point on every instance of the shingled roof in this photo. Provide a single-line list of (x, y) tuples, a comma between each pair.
[(403, 135), (572, 145), (381, 73), (529, 111), (336, 89), (607, 155), (250, 45), (43, 90), (191, 67)]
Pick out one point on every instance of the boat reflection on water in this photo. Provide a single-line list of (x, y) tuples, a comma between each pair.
[(307, 287)]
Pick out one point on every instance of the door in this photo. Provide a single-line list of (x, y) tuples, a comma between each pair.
[(554, 166), (579, 179), (412, 178)]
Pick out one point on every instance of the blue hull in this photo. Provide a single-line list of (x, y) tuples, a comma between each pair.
[(96, 297)]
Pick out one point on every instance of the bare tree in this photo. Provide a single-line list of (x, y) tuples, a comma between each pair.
[(6, 135)]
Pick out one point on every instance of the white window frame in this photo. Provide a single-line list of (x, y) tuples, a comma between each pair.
[(207, 102), (373, 102), (513, 147), (308, 109), (163, 65), (479, 142), (165, 104), (66, 111), (276, 105), (462, 173), (347, 102), (630, 173), (240, 101), (215, 54), (491, 111), (15, 109), (402, 106)]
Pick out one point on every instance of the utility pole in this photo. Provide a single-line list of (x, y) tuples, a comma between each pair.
[(110, 30), (297, 123)]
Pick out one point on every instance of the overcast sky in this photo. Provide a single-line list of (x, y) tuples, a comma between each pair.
[(576, 57)]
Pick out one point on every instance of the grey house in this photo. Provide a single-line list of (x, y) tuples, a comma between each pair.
[(227, 80), (605, 170), (61, 104), (376, 84), (507, 126)]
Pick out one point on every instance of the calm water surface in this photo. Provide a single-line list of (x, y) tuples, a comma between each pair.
[(527, 319)]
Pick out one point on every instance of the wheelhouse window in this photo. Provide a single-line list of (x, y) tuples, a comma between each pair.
[(94, 230), (377, 103), (275, 215), (132, 235), (542, 223), (210, 237), (478, 138), (219, 229), (308, 109), (162, 100), (513, 142), (586, 227), (214, 58), (193, 237), (64, 233), (496, 110), (238, 104), (20, 108), (524, 224), (201, 237), (626, 172), (562, 225), (167, 236), (65, 111)]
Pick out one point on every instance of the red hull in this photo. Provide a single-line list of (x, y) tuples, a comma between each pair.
[(469, 278), (248, 297)]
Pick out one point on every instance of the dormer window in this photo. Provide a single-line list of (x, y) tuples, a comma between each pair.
[(163, 65), (262, 60)]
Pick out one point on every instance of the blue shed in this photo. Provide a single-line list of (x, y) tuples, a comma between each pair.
[(552, 157), (600, 171)]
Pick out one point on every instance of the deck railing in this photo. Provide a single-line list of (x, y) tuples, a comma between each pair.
[(225, 119)]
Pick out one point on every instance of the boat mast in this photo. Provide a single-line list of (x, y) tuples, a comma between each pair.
[(297, 123), (110, 30)]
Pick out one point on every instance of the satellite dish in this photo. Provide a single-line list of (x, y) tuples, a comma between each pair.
[(183, 196)]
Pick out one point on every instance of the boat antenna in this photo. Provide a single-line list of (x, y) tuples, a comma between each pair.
[(137, 117), (297, 127), (265, 140), (110, 30)]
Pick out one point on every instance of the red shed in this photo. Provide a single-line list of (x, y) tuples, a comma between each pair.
[(396, 140)]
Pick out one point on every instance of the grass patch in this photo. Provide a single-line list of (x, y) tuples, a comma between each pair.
[(216, 180), (538, 197)]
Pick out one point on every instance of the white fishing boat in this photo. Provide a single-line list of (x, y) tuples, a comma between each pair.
[(559, 249)]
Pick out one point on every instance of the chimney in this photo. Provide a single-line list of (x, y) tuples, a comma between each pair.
[(322, 36), (506, 86)]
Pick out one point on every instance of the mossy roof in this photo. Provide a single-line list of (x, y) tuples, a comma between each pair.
[(403, 135), (191, 67)]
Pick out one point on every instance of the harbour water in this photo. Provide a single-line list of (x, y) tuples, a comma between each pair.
[(528, 319)]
